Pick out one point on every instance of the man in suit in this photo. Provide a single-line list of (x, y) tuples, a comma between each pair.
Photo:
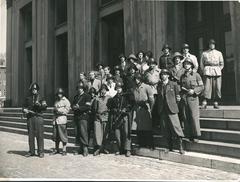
[(167, 98), (93, 81), (33, 107)]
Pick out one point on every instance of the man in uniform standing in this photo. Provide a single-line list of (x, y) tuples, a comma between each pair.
[(33, 107), (165, 61), (211, 66), (186, 54), (81, 107), (144, 99)]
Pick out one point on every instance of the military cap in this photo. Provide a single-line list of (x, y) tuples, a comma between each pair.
[(166, 46), (34, 86), (165, 71), (151, 61), (60, 91), (185, 46), (211, 41), (121, 56), (177, 54), (149, 54), (118, 85), (132, 56), (188, 60), (104, 86)]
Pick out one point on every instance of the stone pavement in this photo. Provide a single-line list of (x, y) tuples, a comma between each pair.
[(15, 165)]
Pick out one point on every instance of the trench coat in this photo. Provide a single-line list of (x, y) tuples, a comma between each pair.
[(189, 105)]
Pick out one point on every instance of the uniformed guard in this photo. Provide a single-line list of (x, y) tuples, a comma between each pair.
[(177, 70), (167, 98), (211, 66), (101, 122), (81, 106), (186, 54), (151, 76), (191, 87), (144, 99), (165, 60), (33, 107), (62, 107), (120, 107)]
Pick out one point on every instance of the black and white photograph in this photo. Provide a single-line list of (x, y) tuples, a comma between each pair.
[(119, 90)]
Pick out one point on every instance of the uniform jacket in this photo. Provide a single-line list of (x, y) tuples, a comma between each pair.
[(176, 73), (61, 109), (84, 102), (29, 104), (194, 60), (168, 96), (212, 63), (165, 62), (100, 108)]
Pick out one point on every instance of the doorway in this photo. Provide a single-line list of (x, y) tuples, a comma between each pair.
[(112, 38), (206, 20)]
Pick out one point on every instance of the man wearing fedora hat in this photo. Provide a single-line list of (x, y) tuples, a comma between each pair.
[(186, 54), (62, 107), (165, 60), (177, 70), (167, 108), (33, 107), (81, 106), (211, 65)]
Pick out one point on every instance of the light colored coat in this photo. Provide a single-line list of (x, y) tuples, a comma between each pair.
[(61, 108)]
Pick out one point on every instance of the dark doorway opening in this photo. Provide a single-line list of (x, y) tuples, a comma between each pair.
[(205, 20), (61, 62), (27, 71), (113, 37)]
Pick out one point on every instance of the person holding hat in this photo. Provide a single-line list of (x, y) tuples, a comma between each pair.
[(191, 87), (211, 65), (120, 109), (165, 60), (167, 109), (177, 70), (186, 54), (151, 76), (111, 86), (81, 106), (61, 108), (117, 74), (93, 81), (144, 99), (32, 108), (101, 118)]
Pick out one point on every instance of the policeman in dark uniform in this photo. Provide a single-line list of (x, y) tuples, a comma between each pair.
[(81, 106), (33, 107), (120, 107), (165, 60)]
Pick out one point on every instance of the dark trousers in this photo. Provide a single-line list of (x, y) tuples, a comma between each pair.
[(145, 138), (123, 135), (82, 131), (35, 129)]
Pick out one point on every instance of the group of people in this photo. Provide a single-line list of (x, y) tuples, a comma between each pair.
[(139, 94)]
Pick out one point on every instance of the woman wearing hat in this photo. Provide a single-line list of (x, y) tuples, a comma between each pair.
[(177, 70), (165, 60), (33, 107), (191, 87), (62, 107)]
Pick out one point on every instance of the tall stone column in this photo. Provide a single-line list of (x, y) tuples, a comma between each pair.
[(235, 23)]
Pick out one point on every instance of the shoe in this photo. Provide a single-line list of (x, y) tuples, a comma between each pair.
[(29, 154), (76, 152), (85, 151), (64, 153), (54, 152), (128, 153), (97, 152), (204, 105), (41, 155), (117, 153), (105, 151), (215, 105)]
